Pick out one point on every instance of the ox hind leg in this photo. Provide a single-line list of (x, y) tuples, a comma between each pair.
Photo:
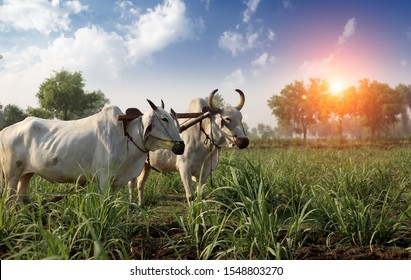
[(141, 181)]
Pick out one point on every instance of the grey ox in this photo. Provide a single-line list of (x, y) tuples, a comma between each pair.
[(109, 146), (202, 140)]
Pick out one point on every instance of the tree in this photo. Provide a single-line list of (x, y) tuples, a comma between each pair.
[(405, 91), (299, 106), (379, 105), (218, 100), (344, 105), (39, 113), (10, 115), (64, 97), (265, 131)]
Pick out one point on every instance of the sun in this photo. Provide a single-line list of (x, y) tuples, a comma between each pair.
[(336, 86)]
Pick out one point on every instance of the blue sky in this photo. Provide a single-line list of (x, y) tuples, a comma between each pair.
[(176, 50)]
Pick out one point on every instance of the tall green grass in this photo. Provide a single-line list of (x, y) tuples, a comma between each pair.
[(262, 204), (267, 205)]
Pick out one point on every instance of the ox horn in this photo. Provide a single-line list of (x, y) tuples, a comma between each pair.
[(213, 108), (242, 100), (162, 104), (153, 106)]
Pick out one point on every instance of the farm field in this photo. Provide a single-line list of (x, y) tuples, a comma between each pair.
[(319, 201)]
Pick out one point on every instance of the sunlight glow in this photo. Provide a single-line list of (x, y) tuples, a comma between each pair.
[(336, 86)]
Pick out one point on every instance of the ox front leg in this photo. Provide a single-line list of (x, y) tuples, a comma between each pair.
[(11, 188), (186, 178), (22, 188), (141, 181)]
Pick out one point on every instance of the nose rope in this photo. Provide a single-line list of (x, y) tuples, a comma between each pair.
[(211, 139)]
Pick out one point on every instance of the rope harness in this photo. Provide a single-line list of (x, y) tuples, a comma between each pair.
[(129, 138)]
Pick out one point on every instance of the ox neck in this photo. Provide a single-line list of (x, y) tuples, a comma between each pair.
[(131, 139), (209, 137)]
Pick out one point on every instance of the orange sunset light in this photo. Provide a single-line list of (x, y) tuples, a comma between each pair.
[(336, 86)]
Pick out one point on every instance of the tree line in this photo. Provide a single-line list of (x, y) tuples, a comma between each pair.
[(373, 108), (62, 96), (370, 109)]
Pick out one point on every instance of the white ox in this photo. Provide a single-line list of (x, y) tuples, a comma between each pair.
[(202, 140), (100, 147)]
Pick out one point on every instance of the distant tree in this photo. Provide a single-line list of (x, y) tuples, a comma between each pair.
[(11, 114), (298, 105), (379, 105), (39, 112), (405, 91), (218, 100), (64, 97), (253, 133), (265, 131), (342, 105), (246, 128)]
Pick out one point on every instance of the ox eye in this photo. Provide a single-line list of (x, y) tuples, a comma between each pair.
[(164, 119), (227, 119)]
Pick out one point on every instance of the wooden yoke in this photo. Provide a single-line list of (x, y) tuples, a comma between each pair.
[(131, 114), (195, 118)]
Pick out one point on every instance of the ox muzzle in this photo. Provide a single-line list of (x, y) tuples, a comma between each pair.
[(241, 142), (178, 147)]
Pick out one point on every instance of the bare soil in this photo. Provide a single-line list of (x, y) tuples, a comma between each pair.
[(156, 246)]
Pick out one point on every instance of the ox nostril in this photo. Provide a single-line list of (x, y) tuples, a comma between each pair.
[(178, 148), (242, 143)]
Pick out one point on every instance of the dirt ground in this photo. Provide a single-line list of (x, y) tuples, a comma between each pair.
[(321, 252), (156, 247)]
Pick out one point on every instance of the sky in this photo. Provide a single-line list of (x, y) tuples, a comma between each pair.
[(176, 50)]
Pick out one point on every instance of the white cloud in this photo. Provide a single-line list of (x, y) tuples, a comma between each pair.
[(235, 42), (271, 35), (40, 15), (251, 8), (91, 50), (97, 54), (75, 6), (127, 9), (104, 58), (233, 80), (317, 68), (349, 31), (159, 27), (261, 63), (404, 63)]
